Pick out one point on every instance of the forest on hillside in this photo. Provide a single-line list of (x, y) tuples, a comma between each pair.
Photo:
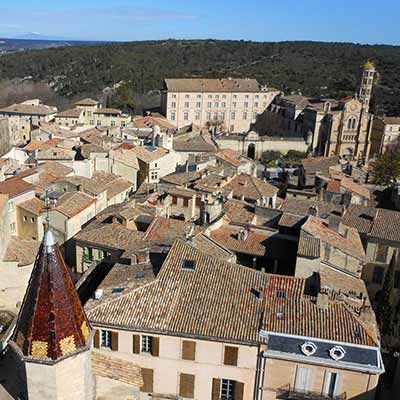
[(137, 69)]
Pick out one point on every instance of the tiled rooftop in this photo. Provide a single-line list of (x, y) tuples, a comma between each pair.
[(15, 187), (252, 244), (239, 212), (349, 244), (112, 236), (71, 204), (23, 252), (250, 187), (212, 85), (386, 225), (360, 217), (195, 295), (35, 206), (309, 246), (164, 231)]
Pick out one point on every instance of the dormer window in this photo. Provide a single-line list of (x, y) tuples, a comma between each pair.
[(280, 294)]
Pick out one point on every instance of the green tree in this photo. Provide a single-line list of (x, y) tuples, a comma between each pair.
[(386, 169), (386, 301), (295, 155), (269, 157)]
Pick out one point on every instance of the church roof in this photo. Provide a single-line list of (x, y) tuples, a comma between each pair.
[(51, 324)]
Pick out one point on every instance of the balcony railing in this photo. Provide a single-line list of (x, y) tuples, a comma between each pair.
[(290, 393)]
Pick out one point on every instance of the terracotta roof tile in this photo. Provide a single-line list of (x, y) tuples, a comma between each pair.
[(149, 153), (212, 85), (196, 295), (35, 206), (164, 231), (72, 113), (250, 187), (289, 220), (309, 246), (71, 204), (252, 243), (359, 217), (239, 212), (350, 244), (181, 178), (87, 102), (208, 246), (15, 187), (112, 236), (111, 111), (386, 225), (28, 109), (23, 252)]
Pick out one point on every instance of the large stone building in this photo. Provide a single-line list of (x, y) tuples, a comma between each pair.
[(329, 127), (385, 131), (231, 104), (90, 112), (217, 330)]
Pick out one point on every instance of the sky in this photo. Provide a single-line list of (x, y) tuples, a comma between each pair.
[(259, 20)]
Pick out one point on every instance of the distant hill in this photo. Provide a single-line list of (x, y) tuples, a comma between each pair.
[(33, 41), (311, 68), (40, 37)]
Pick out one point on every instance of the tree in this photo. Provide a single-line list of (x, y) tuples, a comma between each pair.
[(386, 169), (269, 157), (296, 155), (386, 301)]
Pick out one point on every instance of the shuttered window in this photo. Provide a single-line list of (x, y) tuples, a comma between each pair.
[(96, 340), (114, 341), (186, 386), (136, 344), (185, 202), (230, 355), (146, 344), (155, 350), (216, 389), (147, 375), (188, 350)]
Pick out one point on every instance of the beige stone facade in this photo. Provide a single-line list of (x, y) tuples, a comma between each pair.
[(284, 379), (89, 112), (385, 131), (329, 127), (231, 104), (70, 379), (168, 366)]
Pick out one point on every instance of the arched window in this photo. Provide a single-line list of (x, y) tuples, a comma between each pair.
[(351, 123)]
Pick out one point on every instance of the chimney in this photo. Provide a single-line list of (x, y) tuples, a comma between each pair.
[(243, 234), (334, 223), (313, 210), (322, 301), (203, 214)]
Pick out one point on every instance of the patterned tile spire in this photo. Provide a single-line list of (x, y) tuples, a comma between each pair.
[(51, 324)]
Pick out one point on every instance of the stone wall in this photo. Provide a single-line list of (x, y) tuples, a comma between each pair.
[(5, 145)]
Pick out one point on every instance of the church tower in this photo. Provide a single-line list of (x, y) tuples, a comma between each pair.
[(52, 335), (367, 82)]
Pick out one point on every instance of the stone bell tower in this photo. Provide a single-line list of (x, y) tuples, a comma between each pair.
[(365, 91), (52, 335)]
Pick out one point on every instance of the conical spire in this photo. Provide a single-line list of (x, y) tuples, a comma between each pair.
[(51, 323)]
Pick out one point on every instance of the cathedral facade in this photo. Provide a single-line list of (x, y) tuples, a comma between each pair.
[(329, 127)]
